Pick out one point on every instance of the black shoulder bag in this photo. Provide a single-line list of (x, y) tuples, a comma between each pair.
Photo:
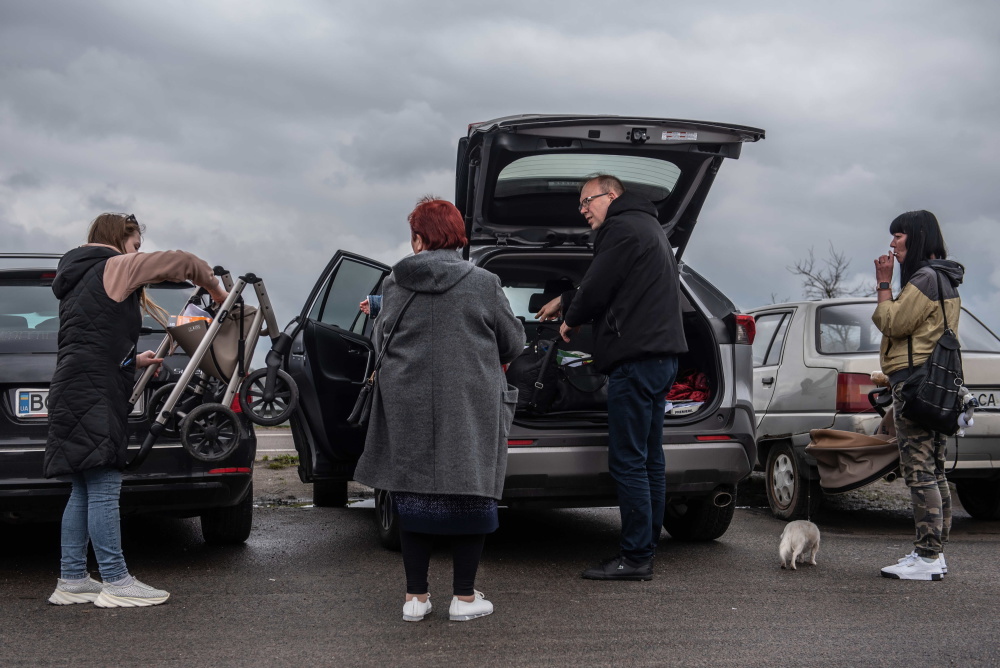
[(363, 406), (931, 394)]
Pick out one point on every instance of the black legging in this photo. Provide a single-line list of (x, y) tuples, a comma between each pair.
[(465, 550)]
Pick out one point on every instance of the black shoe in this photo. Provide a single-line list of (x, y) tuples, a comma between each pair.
[(620, 568)]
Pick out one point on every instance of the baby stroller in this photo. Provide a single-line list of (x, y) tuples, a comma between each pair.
[(197, 408)]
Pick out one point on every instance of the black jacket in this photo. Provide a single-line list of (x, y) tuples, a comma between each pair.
[(631, 290), (95, 368)]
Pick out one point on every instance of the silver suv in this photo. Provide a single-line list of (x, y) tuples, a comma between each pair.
[(517, 186), (812, 366)]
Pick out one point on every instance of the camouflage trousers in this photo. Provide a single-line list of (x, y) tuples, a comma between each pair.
[(922, 464)]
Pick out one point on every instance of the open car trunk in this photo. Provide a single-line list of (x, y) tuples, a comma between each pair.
[(532, 278)]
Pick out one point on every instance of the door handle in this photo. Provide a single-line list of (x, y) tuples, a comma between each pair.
[(767, 381)]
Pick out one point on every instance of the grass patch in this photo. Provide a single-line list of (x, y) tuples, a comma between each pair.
[(281, 461)]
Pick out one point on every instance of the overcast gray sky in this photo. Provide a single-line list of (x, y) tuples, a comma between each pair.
[(265, 135)]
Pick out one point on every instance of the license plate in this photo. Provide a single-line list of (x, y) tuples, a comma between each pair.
[(989, 399), (32, 403)]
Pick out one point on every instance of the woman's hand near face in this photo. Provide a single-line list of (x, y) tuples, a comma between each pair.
[(883, 268)]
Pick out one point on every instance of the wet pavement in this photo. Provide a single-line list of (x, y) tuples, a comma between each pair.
[(313, 587)]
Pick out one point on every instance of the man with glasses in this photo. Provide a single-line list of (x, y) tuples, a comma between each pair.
[(631, 294)]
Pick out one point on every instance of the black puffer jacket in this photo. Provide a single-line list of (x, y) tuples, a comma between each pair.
[(631, 290), (88, 397)]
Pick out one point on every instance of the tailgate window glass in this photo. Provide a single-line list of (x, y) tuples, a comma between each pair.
[(652, 178), (28, 303), (974, 336), (847, 328)]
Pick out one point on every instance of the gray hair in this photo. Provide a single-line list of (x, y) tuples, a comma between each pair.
[(606, 182)]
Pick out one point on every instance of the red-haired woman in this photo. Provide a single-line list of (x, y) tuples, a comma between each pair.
[(437, 437)]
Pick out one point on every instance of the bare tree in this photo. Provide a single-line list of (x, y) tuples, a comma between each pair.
[(827, 281)]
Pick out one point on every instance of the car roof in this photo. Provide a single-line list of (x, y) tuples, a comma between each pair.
[(814, 303), (29, 260)]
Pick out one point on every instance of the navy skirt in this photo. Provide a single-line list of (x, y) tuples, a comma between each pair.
[(446, 514)]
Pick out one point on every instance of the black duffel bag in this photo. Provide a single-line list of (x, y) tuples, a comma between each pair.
[(545, 386)]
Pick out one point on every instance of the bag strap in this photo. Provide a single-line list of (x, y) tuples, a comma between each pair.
[(944, 315), (388, 337)]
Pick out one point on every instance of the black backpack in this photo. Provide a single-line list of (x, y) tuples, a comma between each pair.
[(931, 395)]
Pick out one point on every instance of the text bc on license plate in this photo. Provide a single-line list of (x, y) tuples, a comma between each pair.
[(34, 403)]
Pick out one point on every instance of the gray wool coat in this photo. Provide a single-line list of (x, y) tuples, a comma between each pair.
[(442, 408)]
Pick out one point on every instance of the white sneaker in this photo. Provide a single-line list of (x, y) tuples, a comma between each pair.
[(944, 566), (912, 567), (463, 611), (135, 595), (414, 610), (75, 592)]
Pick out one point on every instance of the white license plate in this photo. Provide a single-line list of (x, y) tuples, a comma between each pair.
[(988, 399), (32, 403)]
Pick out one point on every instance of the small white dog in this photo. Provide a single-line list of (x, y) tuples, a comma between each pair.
[(799, 542)]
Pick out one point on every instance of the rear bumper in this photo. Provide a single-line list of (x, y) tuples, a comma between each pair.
[(571, 469), (169, 482)]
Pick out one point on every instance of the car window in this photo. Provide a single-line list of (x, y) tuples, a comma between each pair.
[(171, 297), (767, 325), (774, 353), (653, 178), (28, 303), (974, 336), (350, 283), (847, 328)]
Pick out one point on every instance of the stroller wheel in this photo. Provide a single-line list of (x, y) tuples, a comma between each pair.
[(210, 432), (189, 401), (268, 409)]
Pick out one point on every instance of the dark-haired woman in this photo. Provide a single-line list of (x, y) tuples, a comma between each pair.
[(101, 298), (437, 437), (914, 321)]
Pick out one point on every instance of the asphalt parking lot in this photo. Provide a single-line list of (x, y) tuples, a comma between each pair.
[(312, 587)]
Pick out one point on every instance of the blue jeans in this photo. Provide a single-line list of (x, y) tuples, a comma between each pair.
[(636, 400), (91, 516)]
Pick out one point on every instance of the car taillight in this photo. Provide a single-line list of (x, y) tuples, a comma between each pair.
[(852, 393), (232, 469), (236, 404), (746, 329)]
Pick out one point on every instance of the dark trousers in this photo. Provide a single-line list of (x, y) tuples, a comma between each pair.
[(466, 551), (636, 400)]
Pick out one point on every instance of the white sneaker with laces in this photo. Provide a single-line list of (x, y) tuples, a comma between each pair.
[(66, 593), (463, 611), (135, 595), (944, 566), (912, 567), (415, 610)]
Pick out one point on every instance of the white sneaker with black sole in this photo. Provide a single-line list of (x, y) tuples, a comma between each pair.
[(463, 611), (69, 592), (135, 595), (912, 567), (944, 566)]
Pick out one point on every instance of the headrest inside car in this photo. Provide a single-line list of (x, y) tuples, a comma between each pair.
[(540, 299)]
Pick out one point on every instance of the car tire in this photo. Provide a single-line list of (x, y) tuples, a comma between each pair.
[(386, 521), (980, 498), (698, 519), (231, 525), (789, 493), (330, 493)]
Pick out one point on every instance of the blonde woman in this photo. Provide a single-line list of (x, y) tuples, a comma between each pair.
[(101, 298)]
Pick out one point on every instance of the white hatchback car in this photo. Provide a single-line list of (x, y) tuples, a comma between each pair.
[(812, 364)]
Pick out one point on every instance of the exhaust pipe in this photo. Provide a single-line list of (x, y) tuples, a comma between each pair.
[(889, 477), (722, 499)]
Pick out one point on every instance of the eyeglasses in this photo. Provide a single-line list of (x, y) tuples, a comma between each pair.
[(131, 219), (585, 202)]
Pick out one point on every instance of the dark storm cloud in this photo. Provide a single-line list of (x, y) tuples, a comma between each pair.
[(271, 134)]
